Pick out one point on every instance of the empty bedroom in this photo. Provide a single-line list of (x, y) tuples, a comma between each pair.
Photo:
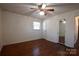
[(39, 29)]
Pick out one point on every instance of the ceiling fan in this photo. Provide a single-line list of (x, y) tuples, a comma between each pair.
[(43, 9)]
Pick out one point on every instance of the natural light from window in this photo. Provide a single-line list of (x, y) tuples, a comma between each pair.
[(36, 25)]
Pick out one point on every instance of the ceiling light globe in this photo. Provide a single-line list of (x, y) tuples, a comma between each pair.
[(42, 13), (64, 22)]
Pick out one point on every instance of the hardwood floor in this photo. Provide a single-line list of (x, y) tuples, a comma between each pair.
[(40, 47), (0, 52)]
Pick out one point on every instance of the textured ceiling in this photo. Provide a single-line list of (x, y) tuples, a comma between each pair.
[(25, 8)]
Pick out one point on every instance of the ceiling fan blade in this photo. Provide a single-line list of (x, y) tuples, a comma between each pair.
[(50, 9), (39, 6), (33, 8), (48, 12), (30, 12)]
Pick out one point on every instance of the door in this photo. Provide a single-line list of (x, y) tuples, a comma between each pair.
[(62, 31)]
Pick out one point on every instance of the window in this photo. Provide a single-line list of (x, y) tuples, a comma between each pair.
[(36, 25)]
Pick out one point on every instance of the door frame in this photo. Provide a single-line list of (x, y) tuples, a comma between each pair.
[(76, 23)]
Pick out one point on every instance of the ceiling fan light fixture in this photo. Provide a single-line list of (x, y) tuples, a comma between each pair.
[(41, 13), (43, 6), (64, 21)]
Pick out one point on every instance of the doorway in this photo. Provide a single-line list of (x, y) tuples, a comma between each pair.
[(77, 31), (62, 31)]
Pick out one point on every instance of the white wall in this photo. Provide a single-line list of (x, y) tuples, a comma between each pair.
[(0, 30), (18, 28), (53, 27), (44, 29)]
